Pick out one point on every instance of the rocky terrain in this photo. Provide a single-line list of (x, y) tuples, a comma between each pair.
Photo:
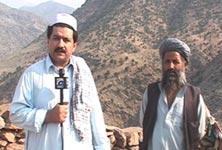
[(13, 138)]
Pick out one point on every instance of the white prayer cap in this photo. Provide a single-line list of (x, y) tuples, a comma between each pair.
[(64, 18)]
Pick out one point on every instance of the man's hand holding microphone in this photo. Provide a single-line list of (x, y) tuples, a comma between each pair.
[(59, 113)]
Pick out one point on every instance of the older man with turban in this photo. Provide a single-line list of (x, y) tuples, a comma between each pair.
[(169, 106)]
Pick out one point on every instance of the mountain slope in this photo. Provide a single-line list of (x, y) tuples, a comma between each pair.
[(120, 39), (17, 29), (120, 44), (209, 79), (48, 9)]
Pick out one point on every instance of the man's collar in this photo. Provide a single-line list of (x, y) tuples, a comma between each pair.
[(49, 65)]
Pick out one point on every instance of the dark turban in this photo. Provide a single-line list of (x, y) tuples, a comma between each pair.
[(174, 44)]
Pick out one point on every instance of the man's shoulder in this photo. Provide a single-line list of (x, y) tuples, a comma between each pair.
[(190, 84), (36, 66), (80, 62), (193, 87), (155, 85), (78, 59)]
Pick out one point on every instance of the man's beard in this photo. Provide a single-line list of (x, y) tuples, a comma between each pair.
[(173, 80)]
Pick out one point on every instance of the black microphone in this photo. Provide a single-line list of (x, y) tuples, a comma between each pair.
[(61, 83)]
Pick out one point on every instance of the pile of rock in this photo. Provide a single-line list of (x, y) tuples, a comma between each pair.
[(12, 137), (124, 139)]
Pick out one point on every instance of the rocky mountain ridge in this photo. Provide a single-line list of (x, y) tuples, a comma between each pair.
[(48, 9)]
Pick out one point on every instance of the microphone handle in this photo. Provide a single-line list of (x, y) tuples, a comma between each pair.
[(61, 96), (61, 74)]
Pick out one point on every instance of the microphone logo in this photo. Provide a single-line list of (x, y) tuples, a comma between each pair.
[(61, 81)]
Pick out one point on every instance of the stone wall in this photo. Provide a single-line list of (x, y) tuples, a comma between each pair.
[(12, 137)]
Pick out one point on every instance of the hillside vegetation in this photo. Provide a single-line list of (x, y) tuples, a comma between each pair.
[(17, 29)]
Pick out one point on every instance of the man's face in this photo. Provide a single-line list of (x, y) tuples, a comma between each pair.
[(173, 67), (61, 46)]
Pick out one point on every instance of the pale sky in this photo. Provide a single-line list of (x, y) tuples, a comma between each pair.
[(19, 3)]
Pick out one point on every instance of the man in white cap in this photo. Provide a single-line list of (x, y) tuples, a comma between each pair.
[(56, 100), (173, 114)]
